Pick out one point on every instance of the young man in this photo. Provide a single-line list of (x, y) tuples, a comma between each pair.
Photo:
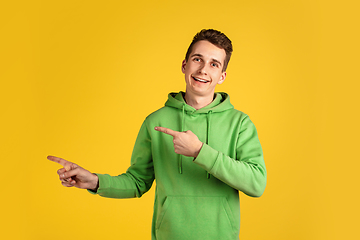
[(198, 148)]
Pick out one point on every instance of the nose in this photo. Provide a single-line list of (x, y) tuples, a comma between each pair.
[(202, 69)]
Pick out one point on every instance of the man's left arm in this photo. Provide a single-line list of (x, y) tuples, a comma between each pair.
[(246, 173)]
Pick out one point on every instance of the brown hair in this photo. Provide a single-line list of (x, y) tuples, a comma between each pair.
[(215, 37)]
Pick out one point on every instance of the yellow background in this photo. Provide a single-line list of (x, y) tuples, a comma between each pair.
[(79, 77)]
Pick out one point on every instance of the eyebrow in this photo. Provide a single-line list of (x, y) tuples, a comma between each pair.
[(199, 55)]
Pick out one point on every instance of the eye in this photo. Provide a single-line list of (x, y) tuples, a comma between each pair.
[(197, 59), (214, 65)]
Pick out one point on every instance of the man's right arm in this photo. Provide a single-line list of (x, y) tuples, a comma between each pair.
[(139, 176), (135, 182)]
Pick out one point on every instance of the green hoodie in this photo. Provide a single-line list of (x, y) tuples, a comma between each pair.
[(195, 198)]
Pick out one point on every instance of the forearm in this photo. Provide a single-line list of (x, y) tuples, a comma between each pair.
[(122, 186), (248, 176)]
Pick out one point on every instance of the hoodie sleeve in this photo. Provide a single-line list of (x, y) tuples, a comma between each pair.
[(139, 176), (247, 172)]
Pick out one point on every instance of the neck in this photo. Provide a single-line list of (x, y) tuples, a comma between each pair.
[(198, 102)]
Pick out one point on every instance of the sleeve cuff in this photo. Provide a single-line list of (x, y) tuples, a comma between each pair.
[(101, 181), (207, 158)]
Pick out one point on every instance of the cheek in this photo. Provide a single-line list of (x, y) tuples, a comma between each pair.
[(216, 74)]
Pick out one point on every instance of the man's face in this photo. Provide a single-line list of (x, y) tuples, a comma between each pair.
[(203, 69)]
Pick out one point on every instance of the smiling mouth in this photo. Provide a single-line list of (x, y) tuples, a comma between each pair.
[(200, 80)]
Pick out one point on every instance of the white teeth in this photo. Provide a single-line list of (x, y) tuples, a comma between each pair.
[(200, 80)]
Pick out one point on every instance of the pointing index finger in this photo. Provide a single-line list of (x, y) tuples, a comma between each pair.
[(61, 161), (167, 131)]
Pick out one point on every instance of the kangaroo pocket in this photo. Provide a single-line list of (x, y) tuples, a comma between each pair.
[(190, 218)]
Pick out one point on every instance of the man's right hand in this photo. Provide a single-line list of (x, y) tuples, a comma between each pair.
[(72, 175)]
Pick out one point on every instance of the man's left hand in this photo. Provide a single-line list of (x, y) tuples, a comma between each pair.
[(185, 143)]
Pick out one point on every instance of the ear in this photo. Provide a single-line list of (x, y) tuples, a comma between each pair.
[(222, 78), (183, 66)]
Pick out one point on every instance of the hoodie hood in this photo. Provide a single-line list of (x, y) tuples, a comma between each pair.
[(220, 103)]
